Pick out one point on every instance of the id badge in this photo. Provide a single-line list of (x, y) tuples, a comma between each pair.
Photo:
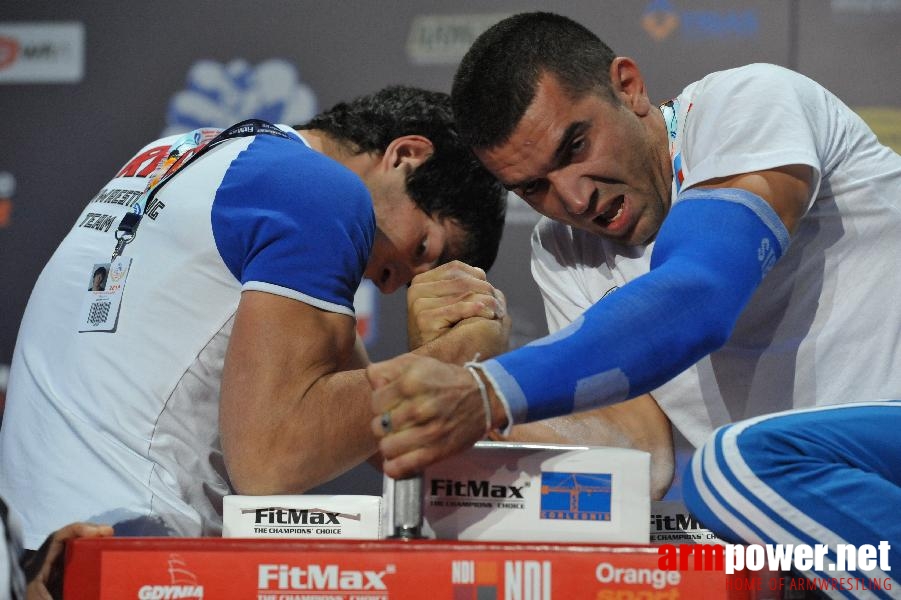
[(105, 286)]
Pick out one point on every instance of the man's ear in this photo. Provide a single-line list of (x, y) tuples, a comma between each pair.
[(407, 152), (628, 85)]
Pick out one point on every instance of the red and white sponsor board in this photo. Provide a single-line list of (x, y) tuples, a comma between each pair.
[(212, 568)]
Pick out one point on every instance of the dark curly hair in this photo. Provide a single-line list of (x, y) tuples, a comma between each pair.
[(496, 80), (450, 184)]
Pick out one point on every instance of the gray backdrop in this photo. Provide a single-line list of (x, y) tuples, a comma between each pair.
[(83, 85)]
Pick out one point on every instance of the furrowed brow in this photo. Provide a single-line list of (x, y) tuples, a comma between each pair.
[(560, 155)]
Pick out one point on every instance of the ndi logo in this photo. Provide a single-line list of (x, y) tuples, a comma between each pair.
[(527, 580), (220, 95), (576, 496)]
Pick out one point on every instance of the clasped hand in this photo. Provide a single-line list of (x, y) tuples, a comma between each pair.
[(427, 409)]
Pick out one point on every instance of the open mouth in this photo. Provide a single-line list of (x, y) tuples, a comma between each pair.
[(610, 215)]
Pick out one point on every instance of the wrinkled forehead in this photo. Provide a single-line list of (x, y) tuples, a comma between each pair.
[(540, 136), (526, 151)]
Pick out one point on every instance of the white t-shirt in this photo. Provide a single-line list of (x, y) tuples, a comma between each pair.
[(122, 427), (823, 326)]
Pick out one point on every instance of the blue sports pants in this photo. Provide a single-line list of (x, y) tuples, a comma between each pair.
[(830, 475)]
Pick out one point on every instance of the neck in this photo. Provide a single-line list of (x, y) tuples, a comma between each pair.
[(319, 141), (343, 152)]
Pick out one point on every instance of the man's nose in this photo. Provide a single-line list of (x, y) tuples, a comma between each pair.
[(393, 275), (388, 281), (573, 191)]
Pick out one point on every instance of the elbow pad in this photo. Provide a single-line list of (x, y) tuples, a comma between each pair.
[(712, 251)]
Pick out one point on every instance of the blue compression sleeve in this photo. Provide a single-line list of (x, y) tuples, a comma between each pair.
[(712, 251)]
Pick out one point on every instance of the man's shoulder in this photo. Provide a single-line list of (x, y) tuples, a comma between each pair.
[(289, 168), (766, 77)]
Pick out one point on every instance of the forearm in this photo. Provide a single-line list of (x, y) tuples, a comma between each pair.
[(306, 441), (709, 258), (338, 408), (325, 430), (337, 435)]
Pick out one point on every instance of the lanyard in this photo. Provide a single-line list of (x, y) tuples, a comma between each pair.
[(183, 152)]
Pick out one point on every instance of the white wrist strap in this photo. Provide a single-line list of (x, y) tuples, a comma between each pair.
[(486, 402)]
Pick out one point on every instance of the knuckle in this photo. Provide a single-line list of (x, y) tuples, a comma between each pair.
[(419, 413), (432, 431)]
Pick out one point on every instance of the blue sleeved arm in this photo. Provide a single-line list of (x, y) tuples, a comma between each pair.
[(711, 253)]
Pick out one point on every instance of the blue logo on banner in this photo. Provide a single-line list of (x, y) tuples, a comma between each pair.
[(575, 496), (661, 19), (220, 95)]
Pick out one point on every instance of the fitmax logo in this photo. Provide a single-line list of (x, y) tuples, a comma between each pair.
[(475, 489), (293, 516), (320, 577), (677, 522)]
